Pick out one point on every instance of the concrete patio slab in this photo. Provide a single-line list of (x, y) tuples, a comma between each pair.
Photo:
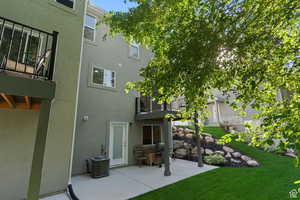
[(128, 182)]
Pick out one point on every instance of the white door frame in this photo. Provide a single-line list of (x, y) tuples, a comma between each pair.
[(124, 160)]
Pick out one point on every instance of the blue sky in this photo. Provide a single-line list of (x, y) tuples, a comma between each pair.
[(115, 5)]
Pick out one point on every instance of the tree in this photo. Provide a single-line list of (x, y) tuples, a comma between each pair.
[(249, 48)]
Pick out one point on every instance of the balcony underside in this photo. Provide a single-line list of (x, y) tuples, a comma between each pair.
[(24, 93), (156, 115), (18, 102)]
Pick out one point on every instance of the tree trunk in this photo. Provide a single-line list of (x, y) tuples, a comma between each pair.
[(196, 122)]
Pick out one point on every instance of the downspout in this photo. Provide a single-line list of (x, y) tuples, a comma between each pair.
[(70, 189)]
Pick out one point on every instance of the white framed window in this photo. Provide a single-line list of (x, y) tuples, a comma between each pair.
[(67, 3), (90, 27), (134, 50), (151, 134), (103, 77)]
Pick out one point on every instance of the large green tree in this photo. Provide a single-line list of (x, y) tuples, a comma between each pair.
[(247, 49)]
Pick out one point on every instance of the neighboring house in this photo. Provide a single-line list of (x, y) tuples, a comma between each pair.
[(222, 114), (109, 121), (27, 51)]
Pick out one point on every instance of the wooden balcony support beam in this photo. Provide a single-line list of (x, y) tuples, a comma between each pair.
[(9, 100), (28, 102)]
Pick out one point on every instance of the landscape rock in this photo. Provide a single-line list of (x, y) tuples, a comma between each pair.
[(194, 151), (252, 163), (235, 161), (189, 131), (206, 134), (236, 154), (290, 154), (209, 151), (228, 149), (181, 153), (228, 155), (209, 139), (180, 135), (220, 153), (245, 158), (177, 144), (187, 145), (189, 136)]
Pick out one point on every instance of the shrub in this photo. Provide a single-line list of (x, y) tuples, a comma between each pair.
[(215, 159)]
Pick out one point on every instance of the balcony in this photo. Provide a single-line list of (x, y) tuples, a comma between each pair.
[(27, 59), (149, 109)]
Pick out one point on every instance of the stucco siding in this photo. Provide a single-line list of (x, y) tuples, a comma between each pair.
[(105, 105), (18, 128)]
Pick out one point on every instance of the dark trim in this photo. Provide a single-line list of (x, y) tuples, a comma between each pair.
[(68, 3), (53, 54)]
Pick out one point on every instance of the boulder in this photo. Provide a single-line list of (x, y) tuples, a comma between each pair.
[(209, 151), (290, 154), (181, 153), (228, 149), (236, 154), (187, 145), (228, 155), (174, 128), (209, 139), (245, 158), (220, 153), (178, 144), (194, 151), (252, 163), (189, 131), (235, 161), (189, 136), (206, 134), (180, 135)]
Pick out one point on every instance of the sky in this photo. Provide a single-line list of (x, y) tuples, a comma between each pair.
[(113, 5)]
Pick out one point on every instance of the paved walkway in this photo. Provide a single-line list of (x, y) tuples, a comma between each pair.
[(128, 182)]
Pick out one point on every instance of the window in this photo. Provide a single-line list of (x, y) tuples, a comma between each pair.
[(103, 77), (134, 50), (68, 3), (151, 134), (90, 27)]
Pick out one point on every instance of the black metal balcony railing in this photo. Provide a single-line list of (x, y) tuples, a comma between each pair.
[(26, 51), (145, 105)]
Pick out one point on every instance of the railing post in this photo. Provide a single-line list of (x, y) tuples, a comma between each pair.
[(53, 54)]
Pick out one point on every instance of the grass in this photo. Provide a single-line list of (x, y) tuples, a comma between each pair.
[(272, 181)]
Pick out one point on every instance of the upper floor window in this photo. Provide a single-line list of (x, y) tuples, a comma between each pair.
[(103, 77), (134, 50), (68, 3), (90, 27)]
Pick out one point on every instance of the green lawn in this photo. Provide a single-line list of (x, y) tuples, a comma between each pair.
[(272, 181)]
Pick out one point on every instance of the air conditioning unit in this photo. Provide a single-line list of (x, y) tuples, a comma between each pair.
[(98, 166)]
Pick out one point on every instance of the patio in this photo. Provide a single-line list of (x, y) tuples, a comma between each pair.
[(128, 182)]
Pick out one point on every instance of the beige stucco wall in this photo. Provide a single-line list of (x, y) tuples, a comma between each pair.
[(17, 128)]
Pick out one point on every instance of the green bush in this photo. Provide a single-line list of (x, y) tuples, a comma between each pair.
[(215, 159)]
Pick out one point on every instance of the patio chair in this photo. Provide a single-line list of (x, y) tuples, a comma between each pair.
[(41, 66), (2, 61), (139, 154)]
